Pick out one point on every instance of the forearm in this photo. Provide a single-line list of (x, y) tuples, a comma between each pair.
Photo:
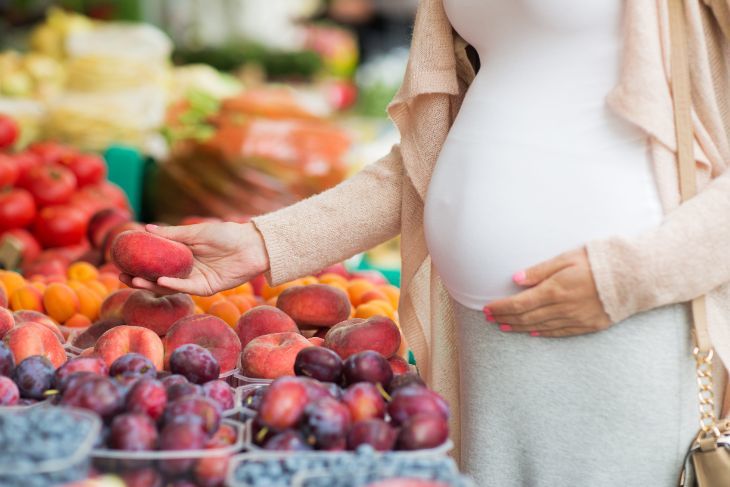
[(685, 257), (354, 216)]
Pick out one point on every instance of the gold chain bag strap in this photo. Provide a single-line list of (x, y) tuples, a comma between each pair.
[(708, 461)]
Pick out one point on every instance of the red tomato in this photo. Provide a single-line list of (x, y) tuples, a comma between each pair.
[(8, 171), (29, 245), (60, 225), (8, 131), (108, 193), (17, 208), (52, 152), (88, 168), (25, 161), (51, 185)]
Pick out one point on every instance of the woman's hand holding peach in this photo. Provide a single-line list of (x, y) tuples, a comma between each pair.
[(560, 300)]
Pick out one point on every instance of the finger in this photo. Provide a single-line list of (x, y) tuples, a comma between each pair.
[(186, 234), (189, 286), (534, 317), (528, 300), (140, 283), (538, 273)]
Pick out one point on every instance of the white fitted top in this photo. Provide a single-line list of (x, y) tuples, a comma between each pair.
[(535, 163)]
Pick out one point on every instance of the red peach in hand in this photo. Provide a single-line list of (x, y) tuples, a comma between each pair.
[(148, 256)]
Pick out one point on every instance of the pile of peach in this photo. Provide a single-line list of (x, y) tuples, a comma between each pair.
[(73, 300)]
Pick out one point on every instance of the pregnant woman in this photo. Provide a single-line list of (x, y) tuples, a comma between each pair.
[(546, 257)]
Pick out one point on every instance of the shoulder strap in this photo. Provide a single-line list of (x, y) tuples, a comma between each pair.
[(682, 99)]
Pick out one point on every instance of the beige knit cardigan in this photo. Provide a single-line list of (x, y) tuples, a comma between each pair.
[(686, 256)]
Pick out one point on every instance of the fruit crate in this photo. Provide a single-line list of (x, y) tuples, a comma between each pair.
[(74, 466), (439, 451), (363, 478), (123, 462), (275, 469), (240, 412)]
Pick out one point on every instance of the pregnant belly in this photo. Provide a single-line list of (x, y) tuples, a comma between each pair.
[(497, 205)]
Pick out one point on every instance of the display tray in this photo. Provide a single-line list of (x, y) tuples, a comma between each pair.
[(58, 470)]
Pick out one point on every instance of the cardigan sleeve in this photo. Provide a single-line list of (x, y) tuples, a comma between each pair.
[(685, 257), (354, 216)]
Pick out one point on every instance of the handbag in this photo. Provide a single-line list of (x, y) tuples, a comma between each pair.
[(707, 463)]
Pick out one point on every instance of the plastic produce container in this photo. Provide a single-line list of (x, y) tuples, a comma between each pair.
[(364, 477), (241, 412), (121, 462), (273, 469), (73, 465)]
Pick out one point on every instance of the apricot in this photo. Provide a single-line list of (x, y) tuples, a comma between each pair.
[(151, 257), (331, 278), (242, 303), (82, 271), (272, 356), (12, 281), (209, 332), (98, 288), (378, 333), (263, 320), (158, 313), (393, 294), (113, 305), (375, 308), (78, 321), (227, 311), (89, 300), (60, 302), (110, 281), (315, 305), (35, 339), (27, 297), (268, 292), (357, 288), (124, 339), (205, 302)]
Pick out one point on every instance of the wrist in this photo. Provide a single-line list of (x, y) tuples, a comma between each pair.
[(256, 246)]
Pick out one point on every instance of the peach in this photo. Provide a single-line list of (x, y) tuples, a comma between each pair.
[(263, 320), (88, 352), (124, 339), (398, 365), (6, 322), (226, 311), (315, 305), (113, 305), (272, 356), (378, 333), (258, 283), (89, 336), (27, 297), (102, 222), (106, 247), (158, 314), (316, 341), (209, 332), (35, 339), (149, 256)]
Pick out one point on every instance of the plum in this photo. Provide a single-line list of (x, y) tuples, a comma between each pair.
[(327, 421), (202, 408), (145, 477), (252, 400), (97, 394), (368, 366), (374, 432), (74, 379), (89, 364), (148, 396), (318, 363), (289, 440), (176, 391), (221, 393), (133, 432), (34, 376), (7, 361), (411, 400), (171, 379), (134, 364), (9, 393), (423, 431), (182, 434), (364, 401), (194, 362), (403, 380), (125, 383), (283, 403)]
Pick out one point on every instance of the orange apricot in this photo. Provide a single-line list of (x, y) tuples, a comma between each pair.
[(110, 281), (357, 288), (12, 281), (78, 321), (392, 292), (27, 297), (206, 302), (227, 311), (60, 301), (82, 271), (98, 288), (245, 288), (331, 278), (241, 302)]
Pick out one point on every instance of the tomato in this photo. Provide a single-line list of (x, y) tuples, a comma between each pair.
[(17, 208), (88, 168), (8, 131), (60, 225), (30, 247), (25, 161), (9, 171), (51, 184), (52, 152), (108, 193)]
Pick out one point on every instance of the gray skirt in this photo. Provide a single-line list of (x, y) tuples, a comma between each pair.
[(613, 408)]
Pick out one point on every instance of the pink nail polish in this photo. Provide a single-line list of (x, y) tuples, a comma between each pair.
[(488, 314), (505, 328), (534, 333), (519, 277)]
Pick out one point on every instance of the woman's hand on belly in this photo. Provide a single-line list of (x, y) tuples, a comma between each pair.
[(561, 300)]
